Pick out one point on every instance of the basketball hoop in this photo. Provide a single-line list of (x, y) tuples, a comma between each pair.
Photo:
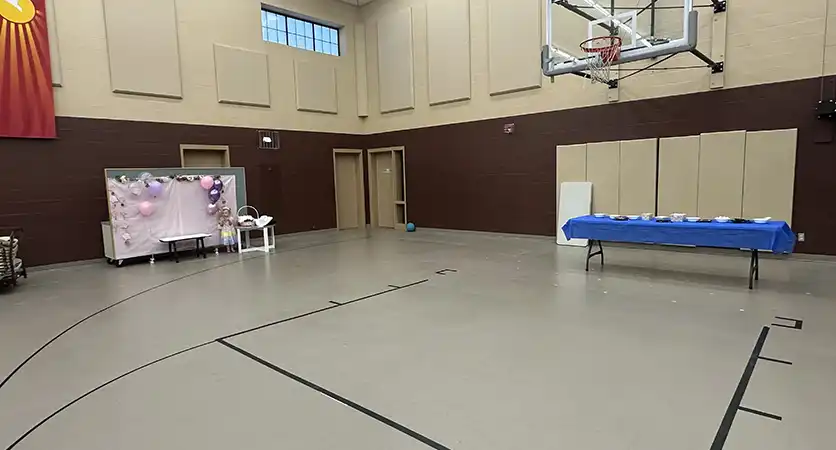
[(602, 52)]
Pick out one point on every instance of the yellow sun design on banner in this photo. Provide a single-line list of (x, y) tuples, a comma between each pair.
[(27, 109), (17, 11)]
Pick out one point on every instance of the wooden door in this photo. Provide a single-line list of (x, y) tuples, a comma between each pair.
[(348, 185), (385, 190)]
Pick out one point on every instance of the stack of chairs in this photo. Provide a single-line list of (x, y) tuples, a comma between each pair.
[(11, 267)]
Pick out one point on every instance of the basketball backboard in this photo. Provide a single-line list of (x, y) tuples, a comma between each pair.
[(647, 29)]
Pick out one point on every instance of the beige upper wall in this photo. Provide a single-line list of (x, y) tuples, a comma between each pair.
[(767, 41), (85, 68)]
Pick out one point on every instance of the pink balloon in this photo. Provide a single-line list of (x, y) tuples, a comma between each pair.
[(207, 182), (146, 209), (212, 209)]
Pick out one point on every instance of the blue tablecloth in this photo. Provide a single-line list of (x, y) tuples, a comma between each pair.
[(774, 236)]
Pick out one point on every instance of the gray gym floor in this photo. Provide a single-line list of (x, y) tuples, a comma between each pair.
[(354, 341)]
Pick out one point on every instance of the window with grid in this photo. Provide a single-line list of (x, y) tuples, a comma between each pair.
[(288, 30)]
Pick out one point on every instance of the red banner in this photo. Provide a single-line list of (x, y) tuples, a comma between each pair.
[(27, 109)]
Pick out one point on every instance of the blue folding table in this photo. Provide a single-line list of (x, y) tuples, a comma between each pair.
[(773, 236)]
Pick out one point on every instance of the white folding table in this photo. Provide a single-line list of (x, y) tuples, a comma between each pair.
[(268, 232)]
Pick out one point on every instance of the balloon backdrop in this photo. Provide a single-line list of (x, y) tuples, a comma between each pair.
[(155, 188), (146, 209), (207, 182)]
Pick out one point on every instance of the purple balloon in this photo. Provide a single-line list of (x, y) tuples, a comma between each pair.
[(212, 209), (155, 188), (219, 185), (214, 196)]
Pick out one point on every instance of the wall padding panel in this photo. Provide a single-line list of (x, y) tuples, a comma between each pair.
[(143, 48), (316, 86), (679, 162), (242, 76), (721, 174), (769, 175), (571, 165), (395, 62), (637, 177), (602, 169), (448, 47), (513, 43), (361, 70)]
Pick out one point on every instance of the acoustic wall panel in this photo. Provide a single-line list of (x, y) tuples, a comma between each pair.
[(54, 50), (721, 174), (602, 169), (142, 47), (362, 70), (679, 161), (513, 43), (448, 48), (769, 174), (395, 62), (316, 86), (242, 76), (637, 177)]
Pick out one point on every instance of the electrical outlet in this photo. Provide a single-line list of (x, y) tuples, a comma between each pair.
[(801, 237)]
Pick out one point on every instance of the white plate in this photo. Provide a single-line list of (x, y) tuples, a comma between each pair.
[(661, 217), (600, 215), (613, 216), (633, 217), (692, 219), (762, 220), (722, 219)]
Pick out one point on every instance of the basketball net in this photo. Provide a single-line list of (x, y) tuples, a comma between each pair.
[(602, 53)]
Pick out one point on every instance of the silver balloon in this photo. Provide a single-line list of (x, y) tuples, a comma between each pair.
[(145, 177), (212, 209), (135, 188)]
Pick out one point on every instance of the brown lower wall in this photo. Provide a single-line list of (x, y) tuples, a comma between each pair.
[(54, 189), (462, 176), (471, 176)]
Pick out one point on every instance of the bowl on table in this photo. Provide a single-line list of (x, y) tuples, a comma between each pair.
[(677, 217), (762, 220), (692, 219), (647, 216), (722, 219)]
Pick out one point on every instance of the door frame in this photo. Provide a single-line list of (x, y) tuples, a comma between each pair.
[(373, 184), (361, 178)]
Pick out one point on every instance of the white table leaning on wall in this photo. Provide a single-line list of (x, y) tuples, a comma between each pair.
[(268, 232)]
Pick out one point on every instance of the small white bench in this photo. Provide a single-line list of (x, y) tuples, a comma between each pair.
[(198, 239)]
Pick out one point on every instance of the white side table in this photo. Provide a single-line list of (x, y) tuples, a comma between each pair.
[(269, 233)]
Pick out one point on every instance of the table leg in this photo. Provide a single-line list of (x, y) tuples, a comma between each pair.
[(265, 235), (753, 269), (240, 244), (201, 244), (590, 253), (174, 249)]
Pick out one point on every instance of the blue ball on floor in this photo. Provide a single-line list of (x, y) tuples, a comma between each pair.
[(410, 227)]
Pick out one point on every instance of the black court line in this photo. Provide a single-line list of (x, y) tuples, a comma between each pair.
[(779, 361), (760, 413), (145, 291), (195, 347), (316, 311), (734, 404), (798, 324), (355, 406), (71, 327), (393, 286), (335, 303), (101, 386), (445, 271)]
